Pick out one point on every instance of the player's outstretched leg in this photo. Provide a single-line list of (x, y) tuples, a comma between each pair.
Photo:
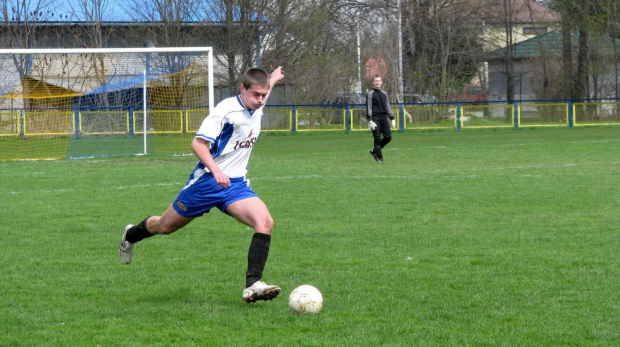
[(126, 248), (260, 291)]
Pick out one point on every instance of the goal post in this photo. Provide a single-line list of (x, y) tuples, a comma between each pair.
[(97, 102)]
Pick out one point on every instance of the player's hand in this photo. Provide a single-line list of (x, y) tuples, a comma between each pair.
[(394, 123), (221, 179), (277, 74), (372, 125)]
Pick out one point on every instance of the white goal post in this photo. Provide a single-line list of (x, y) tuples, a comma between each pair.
[(81, 93)]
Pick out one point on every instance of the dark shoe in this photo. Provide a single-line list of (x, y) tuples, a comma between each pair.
[(374, 155)]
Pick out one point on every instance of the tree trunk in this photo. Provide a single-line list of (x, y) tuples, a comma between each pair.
[(567, 56), (581, 78)]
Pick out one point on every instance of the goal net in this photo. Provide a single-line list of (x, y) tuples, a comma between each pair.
[(83, 103)]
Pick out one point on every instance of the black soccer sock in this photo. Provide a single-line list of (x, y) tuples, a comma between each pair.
[(257, 257), (138, 232)]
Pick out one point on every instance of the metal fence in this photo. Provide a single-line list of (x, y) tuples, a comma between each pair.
[(300, 118), (456, 116)]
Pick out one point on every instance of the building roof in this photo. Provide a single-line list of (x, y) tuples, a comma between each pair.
[(522, 11)]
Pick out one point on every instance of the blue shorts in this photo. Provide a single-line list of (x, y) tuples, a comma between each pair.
[(201, 194)]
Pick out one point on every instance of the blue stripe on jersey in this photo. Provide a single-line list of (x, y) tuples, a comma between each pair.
[(220, 143)]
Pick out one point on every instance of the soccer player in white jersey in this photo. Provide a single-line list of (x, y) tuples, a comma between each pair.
[(223, 145)]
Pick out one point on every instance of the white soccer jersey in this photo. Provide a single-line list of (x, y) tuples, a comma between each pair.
[(232, 130)]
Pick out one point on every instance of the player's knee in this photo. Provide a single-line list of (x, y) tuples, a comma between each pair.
[(265, 226), (269, 224)]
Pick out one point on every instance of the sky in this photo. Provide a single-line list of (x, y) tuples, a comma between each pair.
[(70, 10), (114, 11)]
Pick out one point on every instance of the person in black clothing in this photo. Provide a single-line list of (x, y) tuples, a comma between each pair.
[(378, 110)]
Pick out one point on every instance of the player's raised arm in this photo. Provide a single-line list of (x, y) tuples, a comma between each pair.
[(276, 76)]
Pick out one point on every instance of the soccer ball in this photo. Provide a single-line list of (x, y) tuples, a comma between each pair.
[(305, 299)]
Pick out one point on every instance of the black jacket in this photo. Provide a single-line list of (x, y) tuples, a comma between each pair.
[(388, 107)]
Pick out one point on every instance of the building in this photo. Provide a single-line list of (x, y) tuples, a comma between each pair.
[(531, 82), (524, 18), (508, 23)]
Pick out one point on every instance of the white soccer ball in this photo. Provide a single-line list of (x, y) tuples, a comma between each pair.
[(305, 299)]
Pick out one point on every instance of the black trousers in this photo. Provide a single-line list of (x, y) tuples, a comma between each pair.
[(382, 133)]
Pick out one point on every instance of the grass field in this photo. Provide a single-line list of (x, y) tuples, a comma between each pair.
[(477, 238)]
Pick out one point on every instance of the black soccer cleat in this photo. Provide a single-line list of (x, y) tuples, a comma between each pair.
[(374, 155)]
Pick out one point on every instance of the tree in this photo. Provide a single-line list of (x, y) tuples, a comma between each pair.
[(92, 35), (585, 18), (543, 88), (316, 42), (21, 20), (613, 30), (442, 43), (243, 23), (173, 20), (506, 11), (170, 23)]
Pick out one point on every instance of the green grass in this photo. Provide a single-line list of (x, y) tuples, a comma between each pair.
[(477, 238), (15, 148)]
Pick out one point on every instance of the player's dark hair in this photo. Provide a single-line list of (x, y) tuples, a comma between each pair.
[(254, 76)]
